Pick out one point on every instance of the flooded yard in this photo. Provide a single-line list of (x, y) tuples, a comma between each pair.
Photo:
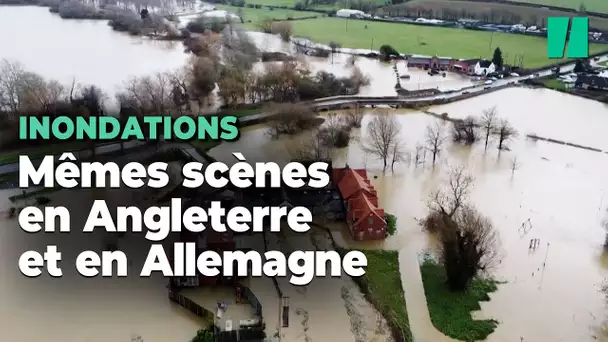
[(556, 194)]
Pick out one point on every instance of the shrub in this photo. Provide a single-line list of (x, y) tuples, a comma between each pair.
[(391, 224)]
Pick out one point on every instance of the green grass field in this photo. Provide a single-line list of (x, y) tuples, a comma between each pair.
[(451, 311), (254, 15), (427, 40)]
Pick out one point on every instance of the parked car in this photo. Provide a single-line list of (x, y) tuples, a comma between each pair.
[(488, 82), (487, 87)]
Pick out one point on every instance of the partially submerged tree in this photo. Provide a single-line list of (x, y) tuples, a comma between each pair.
[(487, 123), (514, 165), (289, 118), (505, 133), (354, 116), (387, 52), (398, 154), (435, 138), (283, 29), (311, 146), (265, 25), (465, 131), (382, 135), (334, 46), (468, 241)]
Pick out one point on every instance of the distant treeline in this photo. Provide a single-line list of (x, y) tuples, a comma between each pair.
[(551, 7)]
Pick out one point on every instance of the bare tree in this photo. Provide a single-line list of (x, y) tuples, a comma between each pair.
[(309, 147), (289, 118), (420, 154), (397, 154), (435, 139), (487, 123), (514, 165), (465, 131), (354, 116), (283, 29), (334, 46), (448, 201), (265, 25), (505, 133), (468, 239), (382, 134)]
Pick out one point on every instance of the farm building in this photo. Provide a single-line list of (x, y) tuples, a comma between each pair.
[(365, 219), (466, 66), (430, 62), (349, 13)]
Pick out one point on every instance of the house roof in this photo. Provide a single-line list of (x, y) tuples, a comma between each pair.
[(366, 208), (593, 81), (485, 63), (352, 183), (471, 61)]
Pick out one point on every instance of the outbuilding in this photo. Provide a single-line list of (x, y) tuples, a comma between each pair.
[(350, 13)]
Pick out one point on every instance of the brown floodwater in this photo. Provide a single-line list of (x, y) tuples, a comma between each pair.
[(556, 193), (558, 189)]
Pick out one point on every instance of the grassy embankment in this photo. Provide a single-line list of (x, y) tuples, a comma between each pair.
[(553, 83), (252, 16), (381, 285), (451, 311)]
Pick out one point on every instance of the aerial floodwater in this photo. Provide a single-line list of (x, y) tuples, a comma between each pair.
[(557, 192)]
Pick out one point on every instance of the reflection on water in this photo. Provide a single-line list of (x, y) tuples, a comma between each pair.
[(559, 189), (85, 50)]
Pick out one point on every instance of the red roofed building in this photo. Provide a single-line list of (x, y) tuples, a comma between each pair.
[(364, 217)]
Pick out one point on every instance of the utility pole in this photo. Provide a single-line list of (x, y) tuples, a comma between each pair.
[(491, 38)]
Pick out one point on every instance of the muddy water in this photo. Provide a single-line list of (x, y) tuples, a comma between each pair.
[(85, 50), (77, 309), (91, 53), (557, 193)]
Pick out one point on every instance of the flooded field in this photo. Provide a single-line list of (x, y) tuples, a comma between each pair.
[(557, 193), (107, 58)]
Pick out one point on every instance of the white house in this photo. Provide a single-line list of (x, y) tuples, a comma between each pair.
[(349, 13), (484, 67)]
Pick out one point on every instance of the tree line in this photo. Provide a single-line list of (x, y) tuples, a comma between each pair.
[(220, 68)]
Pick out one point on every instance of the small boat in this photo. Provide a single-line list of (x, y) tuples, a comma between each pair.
[(406, 77)]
